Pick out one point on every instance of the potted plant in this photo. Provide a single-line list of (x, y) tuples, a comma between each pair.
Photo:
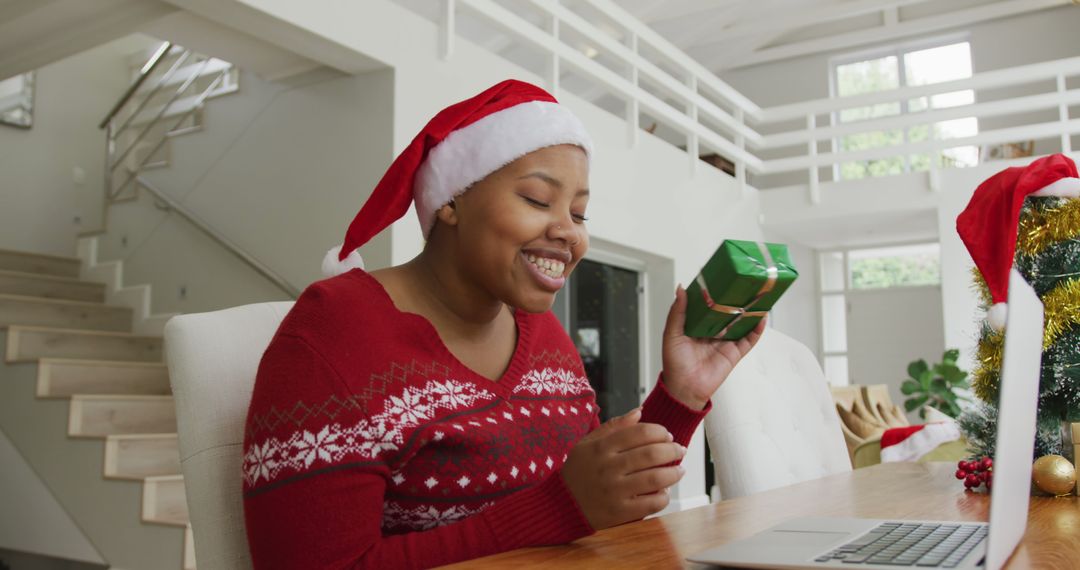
[(938, 387)]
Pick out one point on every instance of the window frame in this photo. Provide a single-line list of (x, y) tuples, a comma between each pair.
[(898, 49), (845, 290)]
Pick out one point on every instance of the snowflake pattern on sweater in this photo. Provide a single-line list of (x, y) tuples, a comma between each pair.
[(442, 440)]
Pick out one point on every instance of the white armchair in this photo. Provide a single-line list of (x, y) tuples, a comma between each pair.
[(773, 422), (213, 358)]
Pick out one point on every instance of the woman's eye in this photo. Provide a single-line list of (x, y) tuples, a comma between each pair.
[(580, 217), (536, 203)]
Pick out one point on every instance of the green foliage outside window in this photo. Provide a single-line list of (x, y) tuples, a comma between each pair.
[(908, 270)]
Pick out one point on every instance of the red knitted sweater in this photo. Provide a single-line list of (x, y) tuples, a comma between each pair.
[(366, 438)]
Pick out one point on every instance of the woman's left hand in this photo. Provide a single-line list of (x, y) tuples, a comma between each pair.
[(695, 367)]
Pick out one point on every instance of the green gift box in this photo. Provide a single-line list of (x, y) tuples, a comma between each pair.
[(736, 288)]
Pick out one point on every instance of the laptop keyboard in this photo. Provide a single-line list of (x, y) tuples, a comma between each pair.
[(932, 545)]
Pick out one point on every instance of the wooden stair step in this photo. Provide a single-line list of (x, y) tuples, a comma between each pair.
[(50, 287), (138, 456), (62, 377), (28, 344), (164, 500), (189, 549), (100, 416), (39, 263), (42, 312)]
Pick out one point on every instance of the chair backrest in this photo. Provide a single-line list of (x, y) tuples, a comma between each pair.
[(213, 358), (878, 402), (773, 421)]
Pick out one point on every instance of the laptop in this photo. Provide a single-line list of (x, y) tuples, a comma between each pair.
[(857, 544)]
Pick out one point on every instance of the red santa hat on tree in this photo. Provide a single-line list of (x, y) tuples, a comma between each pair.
[(989, 224), (460, 146)]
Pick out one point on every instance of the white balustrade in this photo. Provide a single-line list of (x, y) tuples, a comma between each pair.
[(710, 113)]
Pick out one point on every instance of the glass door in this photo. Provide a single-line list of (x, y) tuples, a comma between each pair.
[(600, 307)]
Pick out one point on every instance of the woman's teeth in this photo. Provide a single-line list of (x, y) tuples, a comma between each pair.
[(551, 267)]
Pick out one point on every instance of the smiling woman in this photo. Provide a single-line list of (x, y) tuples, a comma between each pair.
[(437, 411)]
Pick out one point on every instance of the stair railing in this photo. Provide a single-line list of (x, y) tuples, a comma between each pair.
[(115, 157), (164, 202)]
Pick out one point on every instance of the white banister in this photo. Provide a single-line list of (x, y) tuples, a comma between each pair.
[(673, 86), (692, 148), (979, 110), (615, 84), (685, 97), (985, 80), (998, 136), (674, 54), (633, 110), (1063, 113), (447, 29), (553, 68), (740, 166), (811, 152)]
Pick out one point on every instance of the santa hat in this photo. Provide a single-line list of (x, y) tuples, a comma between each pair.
[(912, 442), (460, 146), (989, 223)]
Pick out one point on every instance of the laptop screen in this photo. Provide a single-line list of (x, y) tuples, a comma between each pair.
[(1015, 445)]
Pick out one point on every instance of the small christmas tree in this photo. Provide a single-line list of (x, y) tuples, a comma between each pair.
[(1047, 254)]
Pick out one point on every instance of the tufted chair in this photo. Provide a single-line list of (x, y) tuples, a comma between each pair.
[(213, 358), (773, 421)]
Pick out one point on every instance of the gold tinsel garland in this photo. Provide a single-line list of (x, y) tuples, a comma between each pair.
[(1061, 308), (1041, 228), (984, 379), (1038, 230)]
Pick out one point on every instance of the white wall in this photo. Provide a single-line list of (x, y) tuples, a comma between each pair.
[(39, 198), (33, 520), (796, 313), (887, 329)]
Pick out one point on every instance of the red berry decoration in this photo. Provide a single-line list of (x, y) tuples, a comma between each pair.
[(961, 474), (986, 463), (971, 481)]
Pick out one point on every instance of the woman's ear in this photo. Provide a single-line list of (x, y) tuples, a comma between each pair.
[(448, 214)]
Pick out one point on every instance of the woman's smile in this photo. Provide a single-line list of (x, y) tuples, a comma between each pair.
[(546, 268)]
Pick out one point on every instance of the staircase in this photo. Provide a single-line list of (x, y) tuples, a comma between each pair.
[(84, 391), (86, 401)]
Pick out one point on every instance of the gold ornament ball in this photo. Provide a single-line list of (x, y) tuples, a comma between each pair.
[(1054, 474)]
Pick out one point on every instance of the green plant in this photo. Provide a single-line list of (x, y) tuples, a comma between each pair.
[(935, 387)]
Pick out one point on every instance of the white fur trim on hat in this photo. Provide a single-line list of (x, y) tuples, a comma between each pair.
[(996, 316), (1065, 188), (470, 153), (331, 267)]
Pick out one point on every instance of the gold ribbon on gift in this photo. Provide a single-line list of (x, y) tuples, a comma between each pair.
[(740, 313)]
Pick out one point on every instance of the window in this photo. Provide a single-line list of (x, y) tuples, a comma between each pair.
[(895, 266), (893, 69), (842, 271)]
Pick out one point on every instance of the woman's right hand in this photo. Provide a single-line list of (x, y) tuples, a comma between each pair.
[(621, 471)]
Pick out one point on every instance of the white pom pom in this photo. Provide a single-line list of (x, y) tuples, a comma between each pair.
[(331, 267), (1065, 188), (995, 317)]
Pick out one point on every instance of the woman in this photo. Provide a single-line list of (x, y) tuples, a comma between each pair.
[(436, 411)]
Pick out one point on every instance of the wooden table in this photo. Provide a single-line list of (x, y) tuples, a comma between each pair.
[(892, 490)]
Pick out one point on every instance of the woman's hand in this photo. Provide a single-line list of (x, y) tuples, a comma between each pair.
[(695, 367), (621, 470)]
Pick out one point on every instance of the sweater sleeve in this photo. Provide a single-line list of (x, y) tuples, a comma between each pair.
[(662, 408), (331, 517)]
